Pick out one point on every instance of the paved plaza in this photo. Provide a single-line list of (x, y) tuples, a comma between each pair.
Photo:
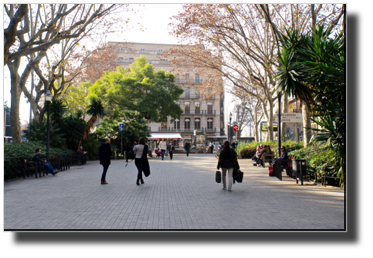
[(178, 195)]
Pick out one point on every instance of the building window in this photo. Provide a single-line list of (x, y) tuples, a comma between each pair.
[(160, 51), (187, 92), (209, 108), (187, 107), (209, 123), (197, 107), (187, 76), (164, 126), (197, 123), (142, 51), (177, 123), (187, 123), (196, 78), (177, 78), (196, 92)]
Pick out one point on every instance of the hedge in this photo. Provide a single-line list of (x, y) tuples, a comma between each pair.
[(14, 153), (247, 150)]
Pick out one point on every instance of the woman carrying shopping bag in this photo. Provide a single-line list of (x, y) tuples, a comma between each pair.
[(141, 160), (227, 161)]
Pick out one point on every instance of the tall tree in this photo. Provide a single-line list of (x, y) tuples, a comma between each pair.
[(144, 89), (32, 30), (239, 42)]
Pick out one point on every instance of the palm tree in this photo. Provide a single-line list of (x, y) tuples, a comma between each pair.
[(95, 109), (57, 109), (312, 67)]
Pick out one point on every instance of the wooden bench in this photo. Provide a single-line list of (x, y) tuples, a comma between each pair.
[(324, 177), (30, 168), (75, 159), (280, 165), (267, 158)]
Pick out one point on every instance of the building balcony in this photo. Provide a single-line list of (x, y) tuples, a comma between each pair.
[(200, 112), (188, 81), (187, 130), (195, 96)]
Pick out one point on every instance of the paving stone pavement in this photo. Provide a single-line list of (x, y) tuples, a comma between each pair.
[(178, 195)]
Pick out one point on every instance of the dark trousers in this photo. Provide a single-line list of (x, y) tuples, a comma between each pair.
[(212, 149), (171, 153), (187, 151), (139, 168), (103, 177)]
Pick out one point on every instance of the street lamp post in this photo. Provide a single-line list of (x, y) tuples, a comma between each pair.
[(48, 98)]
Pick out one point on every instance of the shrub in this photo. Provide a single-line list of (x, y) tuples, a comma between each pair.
[(246, 153), (14, 153), (91, 145), (320, 160), (290, 146)]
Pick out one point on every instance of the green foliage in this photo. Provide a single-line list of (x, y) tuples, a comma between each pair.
[(39, 133), (249, 149), (144, 89), (76, 97), (57, 110), (95, 107), (91, 145), (320, 159), (315, 64), (14, 153), (74, 126)]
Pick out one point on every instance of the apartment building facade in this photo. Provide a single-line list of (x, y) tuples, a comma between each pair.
[(202, 113)]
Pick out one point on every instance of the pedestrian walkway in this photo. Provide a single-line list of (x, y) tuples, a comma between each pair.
[(178, 195)]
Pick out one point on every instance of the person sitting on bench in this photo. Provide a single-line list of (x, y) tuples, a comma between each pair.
[(264, 151), (40, 160), (284, 155)]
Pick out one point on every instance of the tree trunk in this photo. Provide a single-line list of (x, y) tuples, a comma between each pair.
[(15, 101), (256, 124), (306, 124), (269, 116), (285, 110)]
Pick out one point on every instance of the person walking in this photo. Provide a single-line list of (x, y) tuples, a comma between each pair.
[(104, 153), (212, 147), (170, 149), (141, 160), (187, 147), (227, 162), (163, 147)]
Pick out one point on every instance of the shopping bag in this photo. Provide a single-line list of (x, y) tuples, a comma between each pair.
[(239, 176), (218, 176), (270, 169)]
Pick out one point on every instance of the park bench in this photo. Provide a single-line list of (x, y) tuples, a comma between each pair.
[(267, 158), (30, 168), (280, 165), (324, 178), (76, 159), (55, 161)]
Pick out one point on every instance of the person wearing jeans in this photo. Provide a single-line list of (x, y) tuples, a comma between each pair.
[(40, 160), (163, 147), (171, 148)]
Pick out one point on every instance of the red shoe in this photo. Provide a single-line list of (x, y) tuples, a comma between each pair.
[(104, 182)]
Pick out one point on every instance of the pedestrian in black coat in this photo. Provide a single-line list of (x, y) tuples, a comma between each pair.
[(141, 160), (104, 153)]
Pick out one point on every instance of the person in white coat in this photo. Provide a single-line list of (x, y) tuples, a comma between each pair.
[(163, 147)]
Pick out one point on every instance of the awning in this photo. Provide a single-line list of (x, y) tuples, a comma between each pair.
[(173, 136)]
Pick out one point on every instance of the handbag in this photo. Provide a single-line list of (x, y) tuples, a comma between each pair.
[(218, 177), (239, 176), (270, 169), (131, 155)]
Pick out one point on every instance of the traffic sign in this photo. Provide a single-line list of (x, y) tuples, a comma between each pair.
[(235, 128), (287, 115), (289, 119), (121, 127)]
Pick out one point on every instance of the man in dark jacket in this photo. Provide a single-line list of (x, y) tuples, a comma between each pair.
[(41, 161), (187, 147), (104, 153)]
